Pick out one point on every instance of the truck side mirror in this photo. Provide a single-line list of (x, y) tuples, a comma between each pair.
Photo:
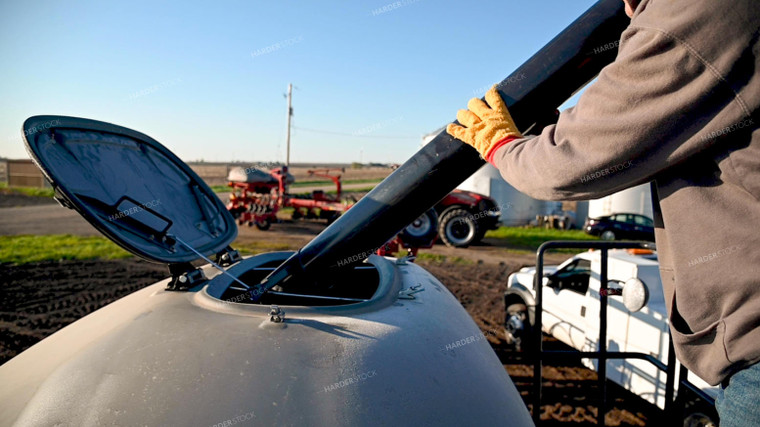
[(635, 294)]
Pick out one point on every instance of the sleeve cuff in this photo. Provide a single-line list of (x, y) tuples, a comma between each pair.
[(502, 142)]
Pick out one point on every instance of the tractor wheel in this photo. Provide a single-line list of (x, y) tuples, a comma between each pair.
[(481, 234), (458, 228), (421, 232)]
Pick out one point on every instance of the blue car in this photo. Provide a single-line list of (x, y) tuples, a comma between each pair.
[(621, 226)]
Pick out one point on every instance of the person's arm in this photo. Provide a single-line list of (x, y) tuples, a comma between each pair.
[(655, 106)]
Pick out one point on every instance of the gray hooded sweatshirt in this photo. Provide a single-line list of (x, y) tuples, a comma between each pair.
[(678, 107)]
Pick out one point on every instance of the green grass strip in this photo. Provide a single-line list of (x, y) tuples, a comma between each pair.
[(530, 238), (26, 249), (29, 191)]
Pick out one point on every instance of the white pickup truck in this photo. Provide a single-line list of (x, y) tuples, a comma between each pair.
[(571, 314)]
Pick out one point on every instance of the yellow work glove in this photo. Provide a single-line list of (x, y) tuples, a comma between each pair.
[(485, 127)]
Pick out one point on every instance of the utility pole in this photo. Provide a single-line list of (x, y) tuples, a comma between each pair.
[(290, 114)]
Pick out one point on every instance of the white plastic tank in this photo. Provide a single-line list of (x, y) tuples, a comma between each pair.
[(633, 200), (516, 208)]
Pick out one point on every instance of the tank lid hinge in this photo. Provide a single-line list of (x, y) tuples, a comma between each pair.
[(184, 277), (228, 256)]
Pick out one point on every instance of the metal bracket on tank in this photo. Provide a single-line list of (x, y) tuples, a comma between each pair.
[(409, 292), (184, 277), (228, 257), (276, 314)]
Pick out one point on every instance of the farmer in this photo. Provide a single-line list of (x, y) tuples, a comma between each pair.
[(678, 107)]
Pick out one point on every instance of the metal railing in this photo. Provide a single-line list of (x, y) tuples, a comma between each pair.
[(673, 407)]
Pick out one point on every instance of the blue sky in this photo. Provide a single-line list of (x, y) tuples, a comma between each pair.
[(208, 80)]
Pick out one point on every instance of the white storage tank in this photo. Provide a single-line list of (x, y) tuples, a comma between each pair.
[(636, 200), (516, 208)]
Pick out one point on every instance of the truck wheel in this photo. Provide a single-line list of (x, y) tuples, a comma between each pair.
[(698, 419), (517, 325), (697, 412), (608, 235), (458, 228)]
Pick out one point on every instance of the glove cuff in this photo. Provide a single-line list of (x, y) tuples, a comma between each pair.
[(500, 143)]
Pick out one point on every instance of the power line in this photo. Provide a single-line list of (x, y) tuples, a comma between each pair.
[(354, 134)]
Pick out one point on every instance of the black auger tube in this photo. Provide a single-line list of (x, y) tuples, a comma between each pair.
[(533, 92)]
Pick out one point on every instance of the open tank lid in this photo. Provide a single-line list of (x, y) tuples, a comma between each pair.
[(130, 187)]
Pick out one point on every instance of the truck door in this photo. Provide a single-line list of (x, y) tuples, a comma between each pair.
[(565, 299), (617, 315)]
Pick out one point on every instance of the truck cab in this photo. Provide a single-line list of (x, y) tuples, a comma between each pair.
[(571, 304)]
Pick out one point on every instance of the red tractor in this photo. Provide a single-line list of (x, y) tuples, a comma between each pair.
[(464, 217)]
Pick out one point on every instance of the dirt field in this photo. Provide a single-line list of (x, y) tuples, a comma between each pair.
[(41, 298), (38, 299)]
